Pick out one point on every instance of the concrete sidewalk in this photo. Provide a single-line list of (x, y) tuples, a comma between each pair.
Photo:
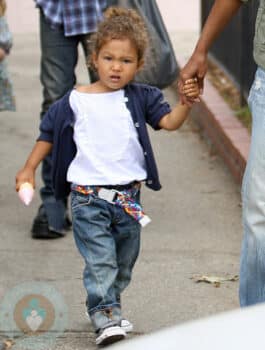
[(195, 229)]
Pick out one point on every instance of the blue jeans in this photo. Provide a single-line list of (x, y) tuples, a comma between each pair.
[(252, 268), (109, 241), (59, 55)]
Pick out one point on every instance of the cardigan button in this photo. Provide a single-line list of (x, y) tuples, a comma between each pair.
[(149, 182), (136, 125)]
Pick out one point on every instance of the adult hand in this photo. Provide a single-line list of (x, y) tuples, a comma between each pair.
[(196, 67)]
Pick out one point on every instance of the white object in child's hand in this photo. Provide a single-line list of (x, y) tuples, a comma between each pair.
[(26, 193), (145, 220)]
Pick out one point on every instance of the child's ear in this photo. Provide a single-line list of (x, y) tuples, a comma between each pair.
[(94, 59)]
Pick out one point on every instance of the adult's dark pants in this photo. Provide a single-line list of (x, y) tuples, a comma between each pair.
[(59, 55)]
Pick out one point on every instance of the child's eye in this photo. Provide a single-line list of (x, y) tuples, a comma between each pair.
[(107, 58), (126, 60)]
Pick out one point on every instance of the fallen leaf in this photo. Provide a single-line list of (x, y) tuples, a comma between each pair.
[(6, 344), (9, 343), (216, 280)]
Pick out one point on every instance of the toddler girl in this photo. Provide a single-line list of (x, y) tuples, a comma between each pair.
[(101, 151)]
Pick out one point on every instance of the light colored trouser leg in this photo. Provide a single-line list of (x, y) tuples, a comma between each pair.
[(252, 269)]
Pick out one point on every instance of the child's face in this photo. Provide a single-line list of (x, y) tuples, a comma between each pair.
[(116, 63)]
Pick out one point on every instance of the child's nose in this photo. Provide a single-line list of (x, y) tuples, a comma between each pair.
[(116, 66)]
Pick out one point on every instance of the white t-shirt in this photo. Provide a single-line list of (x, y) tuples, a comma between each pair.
[(108, 148)]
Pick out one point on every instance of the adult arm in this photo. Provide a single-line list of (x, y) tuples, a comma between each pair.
[(220, 14)]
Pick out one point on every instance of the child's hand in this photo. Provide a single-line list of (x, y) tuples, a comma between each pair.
[(25, 175), (191, 89)]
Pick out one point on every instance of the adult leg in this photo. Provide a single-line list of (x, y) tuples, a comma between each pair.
[(58, 60), (252, 268)]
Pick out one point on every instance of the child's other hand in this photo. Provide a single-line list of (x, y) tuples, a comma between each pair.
[(25, 175), (191, 89), (2, 54)]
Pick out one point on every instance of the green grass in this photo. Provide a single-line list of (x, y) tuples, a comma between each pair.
[(230, 94), (244, 115)]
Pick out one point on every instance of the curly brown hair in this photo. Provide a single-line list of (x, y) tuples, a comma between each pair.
[(121, 23), (2, 7)]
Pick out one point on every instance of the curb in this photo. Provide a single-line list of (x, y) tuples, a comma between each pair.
[(219, 125)]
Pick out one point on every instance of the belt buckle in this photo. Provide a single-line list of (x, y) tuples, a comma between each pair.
[(107, 194)]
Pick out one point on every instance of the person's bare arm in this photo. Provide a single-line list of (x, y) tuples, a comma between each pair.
[(220, 14), (179, 113), (27, 173)]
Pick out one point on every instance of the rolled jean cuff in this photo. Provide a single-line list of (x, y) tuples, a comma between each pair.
[(105, 316)]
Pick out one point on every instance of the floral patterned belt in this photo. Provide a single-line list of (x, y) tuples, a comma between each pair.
[(121, 195)]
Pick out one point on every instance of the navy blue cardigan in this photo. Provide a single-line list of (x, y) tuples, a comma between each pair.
[(146, 105)]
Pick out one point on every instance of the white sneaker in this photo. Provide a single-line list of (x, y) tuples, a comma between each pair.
[(126, 325), (110, 335)]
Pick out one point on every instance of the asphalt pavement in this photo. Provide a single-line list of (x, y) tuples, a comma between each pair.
[(195, 229)]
